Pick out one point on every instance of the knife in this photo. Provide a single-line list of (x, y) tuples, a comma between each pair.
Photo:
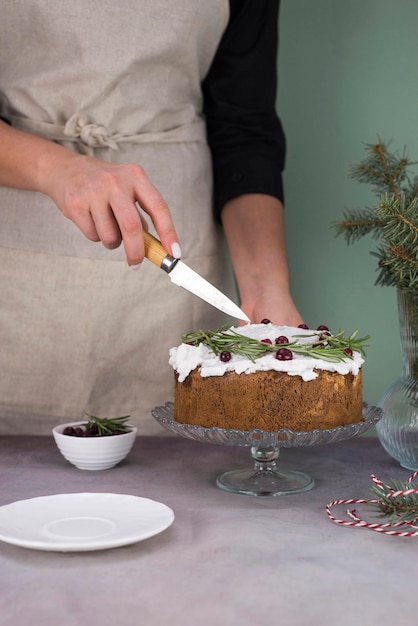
[(183, 276)]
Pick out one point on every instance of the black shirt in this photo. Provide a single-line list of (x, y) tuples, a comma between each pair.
[(244, 132)]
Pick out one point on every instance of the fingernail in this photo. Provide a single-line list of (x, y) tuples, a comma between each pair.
[(135, 267), (176, 250)]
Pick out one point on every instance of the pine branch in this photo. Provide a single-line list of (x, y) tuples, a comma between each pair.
[(383, 170), (399, 220), (393, 221), (401, 508), (357, 223)]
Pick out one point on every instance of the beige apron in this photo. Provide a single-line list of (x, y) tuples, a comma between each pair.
[(80, 332)]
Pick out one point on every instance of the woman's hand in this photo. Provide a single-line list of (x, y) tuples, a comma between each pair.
[(254, 229), (101, 198), (277, 307)]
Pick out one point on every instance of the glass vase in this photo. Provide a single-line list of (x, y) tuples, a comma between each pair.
[(398, 428)]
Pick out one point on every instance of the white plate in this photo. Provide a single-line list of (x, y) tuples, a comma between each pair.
[(75, 522)]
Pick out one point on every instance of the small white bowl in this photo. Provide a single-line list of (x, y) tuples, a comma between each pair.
[(93, 453)]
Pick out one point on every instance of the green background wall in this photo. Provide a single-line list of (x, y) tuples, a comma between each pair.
[(348, 72)]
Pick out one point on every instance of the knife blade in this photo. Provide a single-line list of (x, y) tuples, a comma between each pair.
[(183, 276)]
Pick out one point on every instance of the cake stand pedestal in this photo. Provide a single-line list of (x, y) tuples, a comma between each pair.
[(265, 478)]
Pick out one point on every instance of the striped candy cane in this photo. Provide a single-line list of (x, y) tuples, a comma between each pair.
[(386, 528)]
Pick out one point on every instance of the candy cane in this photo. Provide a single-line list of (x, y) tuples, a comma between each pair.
[(377, 527)]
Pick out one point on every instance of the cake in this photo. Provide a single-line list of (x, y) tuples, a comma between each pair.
[(262, 376)]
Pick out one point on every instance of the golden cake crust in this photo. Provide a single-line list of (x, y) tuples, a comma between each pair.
[(269, 400)]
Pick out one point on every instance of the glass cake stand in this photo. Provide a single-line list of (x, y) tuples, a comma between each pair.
[(265, 478)]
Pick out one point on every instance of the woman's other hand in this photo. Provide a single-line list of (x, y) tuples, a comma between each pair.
[(254, 228)]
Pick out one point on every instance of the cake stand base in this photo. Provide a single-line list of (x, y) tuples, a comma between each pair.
[(264, 483), (265, 479)]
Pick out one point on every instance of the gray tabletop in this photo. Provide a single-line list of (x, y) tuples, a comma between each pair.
[(227, 559)]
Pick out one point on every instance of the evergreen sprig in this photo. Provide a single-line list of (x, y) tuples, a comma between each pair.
[(394, 219), (332, 348), (108, 425), (385, 171), (401, 508)]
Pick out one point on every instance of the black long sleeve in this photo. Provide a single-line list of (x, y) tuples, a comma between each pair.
[(244, 132)]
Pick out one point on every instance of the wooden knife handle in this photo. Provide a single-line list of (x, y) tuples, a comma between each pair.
[(154, 250), (155, 253)]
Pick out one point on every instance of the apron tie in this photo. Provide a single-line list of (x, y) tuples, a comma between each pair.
[(77, 129), (92, 135)]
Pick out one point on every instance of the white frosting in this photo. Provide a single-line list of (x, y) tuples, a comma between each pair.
[(185, 358)]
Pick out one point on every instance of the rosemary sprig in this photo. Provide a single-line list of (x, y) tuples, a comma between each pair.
[(401, 508), (332, 348), (108, 425)]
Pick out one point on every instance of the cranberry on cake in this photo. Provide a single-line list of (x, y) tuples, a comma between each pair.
[(262, 376)]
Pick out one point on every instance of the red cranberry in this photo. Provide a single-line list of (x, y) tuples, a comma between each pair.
[(281, 339), (225, 356), (325, 334), (265, 321), (91, 432), (317, 345), (322, 327), (266, 341), (305, 326), (348, 351), (283, 354), (68, 430)]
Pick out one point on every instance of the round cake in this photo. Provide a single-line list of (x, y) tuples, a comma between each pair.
[(267, 377)]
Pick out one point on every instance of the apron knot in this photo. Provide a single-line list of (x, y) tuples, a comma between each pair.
[(92, 135), (77, 129)]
